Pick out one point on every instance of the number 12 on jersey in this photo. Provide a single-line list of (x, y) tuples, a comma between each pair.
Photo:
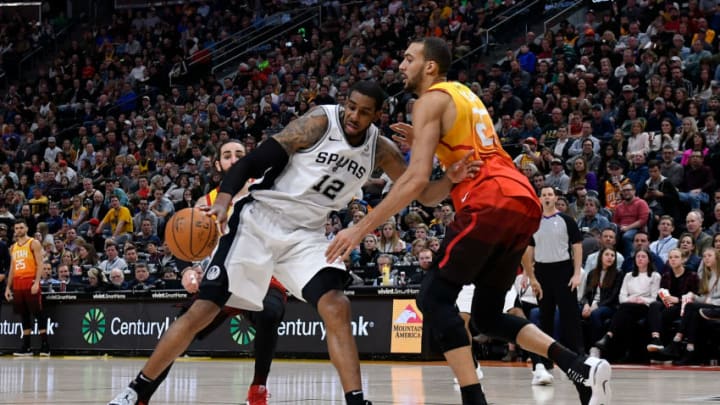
[(331, 189)]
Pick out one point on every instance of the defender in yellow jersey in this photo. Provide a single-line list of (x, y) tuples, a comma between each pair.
[(23, 286), (497, 212)]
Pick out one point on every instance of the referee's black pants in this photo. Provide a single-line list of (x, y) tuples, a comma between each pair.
[(554, 279)]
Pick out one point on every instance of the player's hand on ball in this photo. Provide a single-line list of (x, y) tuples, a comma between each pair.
[(220, 214)]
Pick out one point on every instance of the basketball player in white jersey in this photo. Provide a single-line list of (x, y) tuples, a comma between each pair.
[(265, 321), (313, 167)]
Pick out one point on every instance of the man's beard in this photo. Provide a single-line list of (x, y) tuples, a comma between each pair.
[(410, 86)]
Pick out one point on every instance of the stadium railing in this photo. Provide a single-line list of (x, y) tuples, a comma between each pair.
[(508, 18)]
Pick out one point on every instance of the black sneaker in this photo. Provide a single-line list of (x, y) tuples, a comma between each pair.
[(44, 350), (689, 359), (23, 352), (655, 345), (673, 351), (511, 356)]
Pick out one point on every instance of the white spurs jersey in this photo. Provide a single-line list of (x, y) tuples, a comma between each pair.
[(320, 179)]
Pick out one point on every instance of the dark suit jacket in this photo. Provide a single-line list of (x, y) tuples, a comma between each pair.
[(608, 295)]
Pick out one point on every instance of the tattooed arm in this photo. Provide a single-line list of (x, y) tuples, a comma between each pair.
[(304, 132), (271, 155)]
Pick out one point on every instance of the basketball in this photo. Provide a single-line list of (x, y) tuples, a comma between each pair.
[(191, 235)]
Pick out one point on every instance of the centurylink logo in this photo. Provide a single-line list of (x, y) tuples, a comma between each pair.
[(241, 331), (93, 326)]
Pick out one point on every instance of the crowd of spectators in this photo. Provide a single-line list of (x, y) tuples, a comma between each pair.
[(617, 113), (105, 144)]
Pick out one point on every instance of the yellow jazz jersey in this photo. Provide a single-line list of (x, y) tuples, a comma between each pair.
[(210, 200), (473, 130), (211, 196), (23, 260)]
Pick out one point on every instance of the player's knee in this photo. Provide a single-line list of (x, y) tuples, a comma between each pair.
[(200, 314), (449, 331), (500, 325), (327, 280), (334, 307), (438, 306), (273, 310)]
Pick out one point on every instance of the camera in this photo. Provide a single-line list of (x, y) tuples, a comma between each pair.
[(288, 44)]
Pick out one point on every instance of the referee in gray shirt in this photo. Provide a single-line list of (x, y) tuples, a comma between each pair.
[(553, 263)]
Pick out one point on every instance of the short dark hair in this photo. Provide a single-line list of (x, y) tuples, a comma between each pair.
[(436, 50), (653, 164), (371, 89)]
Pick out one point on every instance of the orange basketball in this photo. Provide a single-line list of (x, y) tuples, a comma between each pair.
[(191, 235)]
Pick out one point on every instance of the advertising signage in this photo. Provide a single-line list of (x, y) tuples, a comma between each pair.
[(136, 326)]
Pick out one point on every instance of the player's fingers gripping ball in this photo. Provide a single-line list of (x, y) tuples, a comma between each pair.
[(191, 235)]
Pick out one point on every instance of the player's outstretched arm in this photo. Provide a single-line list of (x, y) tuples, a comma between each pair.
[(427, 131), (391, 161)]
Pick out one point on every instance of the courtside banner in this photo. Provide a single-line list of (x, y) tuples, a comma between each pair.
[(302, 331), (407, 327), (136, 326)]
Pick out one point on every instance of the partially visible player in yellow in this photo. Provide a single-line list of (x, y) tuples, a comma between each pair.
[(23, 287), (266, 321)]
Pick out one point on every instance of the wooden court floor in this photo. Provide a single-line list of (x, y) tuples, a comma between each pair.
[(95, 380)]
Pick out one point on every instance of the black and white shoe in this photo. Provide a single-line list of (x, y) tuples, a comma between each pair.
[(24, 352), (127, 397), (592, 380), (44, 350)]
